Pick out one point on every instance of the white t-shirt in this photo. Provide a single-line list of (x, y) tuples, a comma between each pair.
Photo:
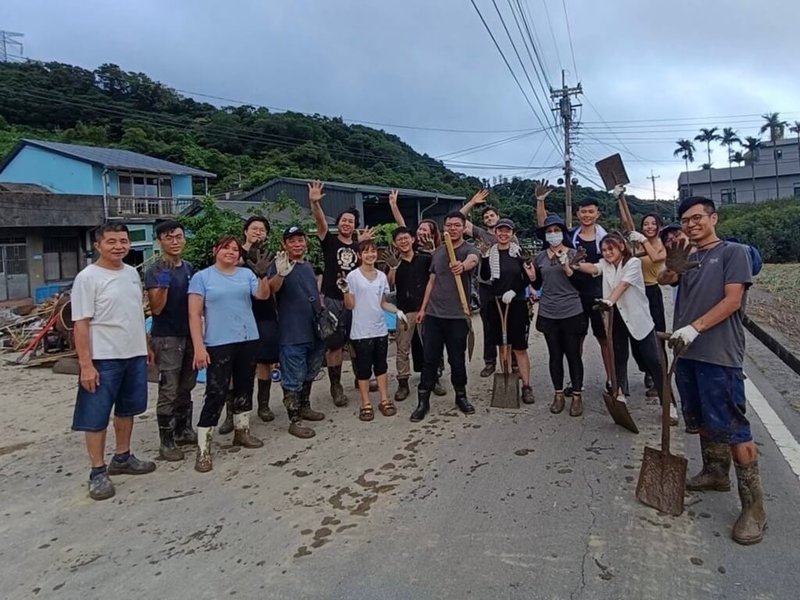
[(112, 301), (634, 308), (368, 318)]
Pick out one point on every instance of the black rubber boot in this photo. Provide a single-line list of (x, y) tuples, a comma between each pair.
[(306, 411), (402, 390), (184, 434), (264, 412), (749, 527), (296, 427), (227, 424), (715, 474), (337, 391), (423, 405), (168, 450), (463, 404)]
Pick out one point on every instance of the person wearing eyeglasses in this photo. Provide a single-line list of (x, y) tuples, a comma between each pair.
[(708, 335)]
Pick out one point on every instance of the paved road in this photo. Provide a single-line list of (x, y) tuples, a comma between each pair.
[(503, 504)]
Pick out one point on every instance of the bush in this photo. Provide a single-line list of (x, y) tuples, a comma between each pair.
[(772, 227)]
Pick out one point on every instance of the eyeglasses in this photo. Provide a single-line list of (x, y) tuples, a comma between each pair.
[(694, 219)]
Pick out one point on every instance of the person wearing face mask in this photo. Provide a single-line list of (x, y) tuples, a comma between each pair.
[(624, 294), (509, 275)]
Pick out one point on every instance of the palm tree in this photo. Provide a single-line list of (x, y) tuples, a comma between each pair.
[(796, 129), (737, 158), (775, 126), (685, 150), (728, 139), (708, 136), (752, 145)]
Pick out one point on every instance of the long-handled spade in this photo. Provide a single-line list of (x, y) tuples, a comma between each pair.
[(451, 253), (616, 408), (662, 478), (505, 391)]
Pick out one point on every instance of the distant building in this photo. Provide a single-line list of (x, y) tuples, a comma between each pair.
[(52, 195), (754, 182)]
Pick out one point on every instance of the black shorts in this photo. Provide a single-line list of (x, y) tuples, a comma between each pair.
[(345, 316), (576, 326), (595, 316), (517, 326), (370, 356), (268, 337)]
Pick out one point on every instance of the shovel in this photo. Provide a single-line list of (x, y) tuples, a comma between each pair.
[(505, 391), (612, 172), (616, 408), (451, 253), (662, 478)]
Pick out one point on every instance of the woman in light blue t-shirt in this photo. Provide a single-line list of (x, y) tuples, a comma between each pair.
[(219, 299)]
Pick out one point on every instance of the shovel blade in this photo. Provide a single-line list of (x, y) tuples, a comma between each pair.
[(619, 412), (505, 390), (662, 481)]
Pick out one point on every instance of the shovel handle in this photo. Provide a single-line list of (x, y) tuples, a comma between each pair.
[(451, 253)]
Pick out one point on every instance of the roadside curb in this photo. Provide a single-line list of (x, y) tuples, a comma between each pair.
[(772, 344)]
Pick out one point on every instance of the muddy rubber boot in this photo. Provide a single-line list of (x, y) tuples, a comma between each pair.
[(227, 424), (715, 474), (202, 463), (576, 407), (264, 412), (184, 435), (558, 403), (296, 427), (403, 390), (438, 388), (527, 394), (463, 404), (423, 405), (168, 450), (749, 527), (337, 391), (306, 412), (241, 432)]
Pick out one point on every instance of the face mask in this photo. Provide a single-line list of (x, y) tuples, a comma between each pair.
[(554, 239)]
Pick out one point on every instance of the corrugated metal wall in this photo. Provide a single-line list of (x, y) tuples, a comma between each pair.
[(335, 201)]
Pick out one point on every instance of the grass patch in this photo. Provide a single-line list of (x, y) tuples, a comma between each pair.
[(782, 281)]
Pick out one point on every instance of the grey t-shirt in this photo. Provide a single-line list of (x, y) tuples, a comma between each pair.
[(702, 288), (560, 298), (444, 301)]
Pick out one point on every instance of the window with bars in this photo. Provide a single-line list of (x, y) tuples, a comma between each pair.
[(61, 258), (145, 186)]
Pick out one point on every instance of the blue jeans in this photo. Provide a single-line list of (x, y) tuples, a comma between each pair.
[(300, 363), (123, 385), (713, 401)]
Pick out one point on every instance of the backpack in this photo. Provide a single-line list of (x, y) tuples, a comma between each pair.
[(756, 262)]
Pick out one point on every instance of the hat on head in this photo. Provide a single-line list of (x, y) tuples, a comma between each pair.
[(506, 223), (691, 201), (549, 222), (292, 231)]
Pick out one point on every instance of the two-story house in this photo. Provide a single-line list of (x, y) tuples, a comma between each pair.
[(52, 195)]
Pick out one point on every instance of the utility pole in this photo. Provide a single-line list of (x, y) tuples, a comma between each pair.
[(566, 111), (9, 38), (653, 179)]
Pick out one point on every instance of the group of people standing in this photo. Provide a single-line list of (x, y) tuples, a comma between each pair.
[(249, 312)]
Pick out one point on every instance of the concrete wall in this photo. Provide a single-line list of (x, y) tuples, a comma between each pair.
[(59, 173)]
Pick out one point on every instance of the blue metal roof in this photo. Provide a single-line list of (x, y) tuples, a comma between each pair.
[(113, 158)]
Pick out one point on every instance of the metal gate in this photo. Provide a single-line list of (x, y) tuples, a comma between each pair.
[(13, 269)]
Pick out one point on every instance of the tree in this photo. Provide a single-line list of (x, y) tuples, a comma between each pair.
[(204, 230), (685, 150), (708, 136), (796, 129), (737, 157), (752, 145), (728, 139), (773, 124)]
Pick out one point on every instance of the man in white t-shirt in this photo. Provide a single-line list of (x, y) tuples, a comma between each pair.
[(113, 357)]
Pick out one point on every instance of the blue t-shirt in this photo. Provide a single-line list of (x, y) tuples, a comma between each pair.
[(228, 310), (295, 305), (174, 318)]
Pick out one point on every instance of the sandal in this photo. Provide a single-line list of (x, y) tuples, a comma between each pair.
[(365, 413), (387, 409)]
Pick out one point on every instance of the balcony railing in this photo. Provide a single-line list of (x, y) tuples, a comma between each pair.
[(132, 206)]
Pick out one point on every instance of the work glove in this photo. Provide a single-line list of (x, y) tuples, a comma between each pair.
[(259, 260), (401, 316), (678, 257), (283, 265), (563, 258), (634, 237), (390, 257), (578, 257), (341, 283), (682, 338), (602, 304), (482, 247), (508, 296), (425, 244), (618, 190), (525, 256)]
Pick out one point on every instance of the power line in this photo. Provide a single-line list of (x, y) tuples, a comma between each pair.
[(552, 34), (528, 49), (569, 36), (9, 38)]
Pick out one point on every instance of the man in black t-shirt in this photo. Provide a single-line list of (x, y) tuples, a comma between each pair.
[(340, 255), (167, 282)]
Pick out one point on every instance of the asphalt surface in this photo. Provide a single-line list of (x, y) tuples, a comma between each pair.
[(501, 504)]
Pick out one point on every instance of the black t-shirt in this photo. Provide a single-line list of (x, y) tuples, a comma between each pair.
[(339, 260), (588, 285), (410, 281), (512, 275), (174, 318)]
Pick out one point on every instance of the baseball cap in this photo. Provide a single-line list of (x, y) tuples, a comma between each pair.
[(506, 223), (292, 231)]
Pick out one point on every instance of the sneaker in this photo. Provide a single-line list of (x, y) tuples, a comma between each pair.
[(100, 487), (488, 369), (527, 394), (132, 466)]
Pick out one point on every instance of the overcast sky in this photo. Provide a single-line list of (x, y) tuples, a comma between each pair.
[(652, 72)]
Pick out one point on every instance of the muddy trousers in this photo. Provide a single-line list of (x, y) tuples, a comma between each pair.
[(176, 376), (439, 334), (408, 346), (229, 362), (647, 349)]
